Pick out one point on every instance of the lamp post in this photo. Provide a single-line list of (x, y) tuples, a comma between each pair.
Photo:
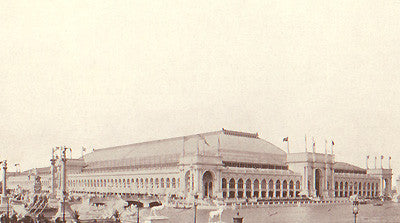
[(195, 207), (63, 182), (138, 210), (355, 210)]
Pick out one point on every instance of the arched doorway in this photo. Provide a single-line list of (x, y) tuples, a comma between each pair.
[(188, 184), (208, 184), (318, 182)]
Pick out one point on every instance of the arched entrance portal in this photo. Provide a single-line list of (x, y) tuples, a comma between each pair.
[(208, 184), (318, 182), (188, 184)]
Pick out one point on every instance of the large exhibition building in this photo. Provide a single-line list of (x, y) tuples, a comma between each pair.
[(222, 164)]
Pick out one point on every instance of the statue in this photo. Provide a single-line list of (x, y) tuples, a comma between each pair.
[(37, 186), (155, 209), (216, 214)]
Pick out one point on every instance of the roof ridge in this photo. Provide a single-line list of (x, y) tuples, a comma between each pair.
[(240, 133)]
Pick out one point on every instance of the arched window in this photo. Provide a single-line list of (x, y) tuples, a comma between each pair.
[(162, 182), (232, 188), (341, 189), (256, 188), (270, 188), (278, 188), (297, 188), (291, 188), (224, 183), (248, 188), (168, 183), (224, 187), (240, 188), (263, 188), (173, 182), (284, 187)]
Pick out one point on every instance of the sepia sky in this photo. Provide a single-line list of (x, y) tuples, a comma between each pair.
[(105, 73)]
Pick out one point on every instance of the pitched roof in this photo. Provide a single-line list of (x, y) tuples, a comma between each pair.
[(228, 143), (347, 166)]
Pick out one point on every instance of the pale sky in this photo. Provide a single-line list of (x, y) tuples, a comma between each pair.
[(106, 73)]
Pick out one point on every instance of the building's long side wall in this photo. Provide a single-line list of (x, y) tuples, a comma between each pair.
[(363, 185), (151, 182), (241, 183)]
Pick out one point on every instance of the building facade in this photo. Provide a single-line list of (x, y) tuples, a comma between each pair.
[(220, 165)]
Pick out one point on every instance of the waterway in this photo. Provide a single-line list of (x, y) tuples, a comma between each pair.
[(389, 212)]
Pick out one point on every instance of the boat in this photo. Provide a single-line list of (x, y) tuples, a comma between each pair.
[(182, 207), (156, 219)]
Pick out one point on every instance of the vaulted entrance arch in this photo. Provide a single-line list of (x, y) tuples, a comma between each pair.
[(318, 182), (208, 184), (188, 184)]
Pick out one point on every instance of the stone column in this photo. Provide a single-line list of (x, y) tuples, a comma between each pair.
[(4, 199), (196, 179), (313, 191), (236, 191), (252, 188), (333, 182), (274, 188), (53, 176), (305, 180), (217, 186), (4, 169)]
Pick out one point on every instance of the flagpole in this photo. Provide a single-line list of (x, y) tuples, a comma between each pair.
[(286, 139), (305, 142), (313, 145), (183, 147), (219, 145)]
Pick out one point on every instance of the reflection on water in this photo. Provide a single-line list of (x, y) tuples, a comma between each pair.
[(389, 212)]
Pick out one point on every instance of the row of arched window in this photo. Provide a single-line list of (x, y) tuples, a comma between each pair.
[(347, 189), (138, 183), (257, 189)]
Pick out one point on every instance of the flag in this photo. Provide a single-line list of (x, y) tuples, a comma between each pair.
[(368, 157), (382, 157), (333, 143), (286, 139)]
